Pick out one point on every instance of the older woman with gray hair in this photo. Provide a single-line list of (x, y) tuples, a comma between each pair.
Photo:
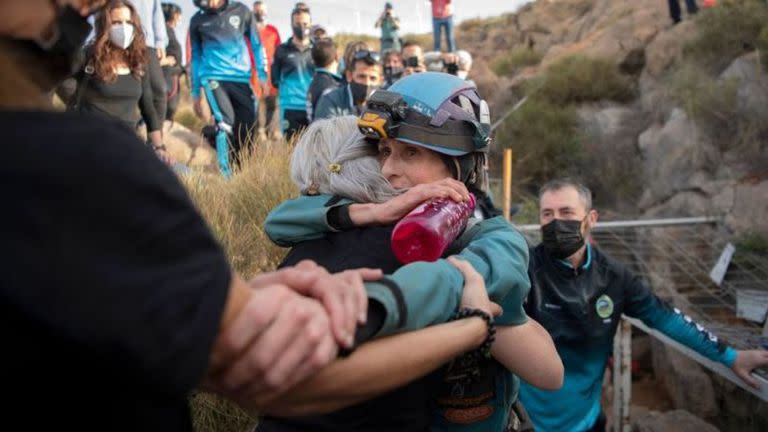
[(333, 158)]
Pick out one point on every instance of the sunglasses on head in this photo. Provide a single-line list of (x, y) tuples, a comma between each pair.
[(367, 55)]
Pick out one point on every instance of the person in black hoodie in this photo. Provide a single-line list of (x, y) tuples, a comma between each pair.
[(112, 279), (172, 62)]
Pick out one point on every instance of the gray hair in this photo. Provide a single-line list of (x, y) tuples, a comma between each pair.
[(332, 157), (555, 185)]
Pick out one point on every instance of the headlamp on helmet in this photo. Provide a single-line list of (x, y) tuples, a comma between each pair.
[(383, 112)]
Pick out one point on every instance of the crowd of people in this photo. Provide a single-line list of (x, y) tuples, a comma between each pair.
[(246, 83), (116, 288)]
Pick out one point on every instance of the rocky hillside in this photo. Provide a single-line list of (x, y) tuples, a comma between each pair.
[(661, 119)]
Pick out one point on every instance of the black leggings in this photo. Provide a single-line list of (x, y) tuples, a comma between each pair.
[(294, 121), (236, 107), (173, 82), (157, 83)]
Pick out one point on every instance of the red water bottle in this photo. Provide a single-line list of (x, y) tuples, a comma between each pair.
[(425, 233)]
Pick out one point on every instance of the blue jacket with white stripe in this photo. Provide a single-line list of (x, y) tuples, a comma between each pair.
[(292, 72), (223, 43)]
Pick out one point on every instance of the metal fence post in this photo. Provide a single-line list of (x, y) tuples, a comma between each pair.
[(622, 376)]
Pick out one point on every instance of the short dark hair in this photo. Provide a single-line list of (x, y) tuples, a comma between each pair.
[(258, 3), (170, 10), (300, 8), (555, 185), (391, 53), (410, 43), (324, 52)]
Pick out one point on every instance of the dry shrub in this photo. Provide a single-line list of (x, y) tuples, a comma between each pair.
[(235, 210)]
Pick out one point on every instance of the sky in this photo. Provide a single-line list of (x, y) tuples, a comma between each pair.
[(358, 16)]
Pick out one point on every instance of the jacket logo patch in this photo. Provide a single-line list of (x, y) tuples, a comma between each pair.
[(234, 21), (604, 306), (468, 415)]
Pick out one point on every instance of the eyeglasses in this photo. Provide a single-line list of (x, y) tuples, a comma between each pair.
[(367, 55)]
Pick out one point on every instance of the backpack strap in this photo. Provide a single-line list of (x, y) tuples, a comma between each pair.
[(83, 83)]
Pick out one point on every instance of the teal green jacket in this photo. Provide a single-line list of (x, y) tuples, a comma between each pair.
[(423, 294)]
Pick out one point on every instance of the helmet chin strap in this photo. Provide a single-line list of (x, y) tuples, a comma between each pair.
[(457, 165)]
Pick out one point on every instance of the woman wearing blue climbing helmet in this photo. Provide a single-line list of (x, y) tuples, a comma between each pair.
[(431, 131), (432, 115)]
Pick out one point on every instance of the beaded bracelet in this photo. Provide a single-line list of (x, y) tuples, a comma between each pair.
[(483, 350)]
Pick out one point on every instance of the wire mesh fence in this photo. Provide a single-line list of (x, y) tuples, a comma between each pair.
[(676, 261)]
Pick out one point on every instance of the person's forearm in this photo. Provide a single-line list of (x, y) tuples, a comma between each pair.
[(362, 214), (155, 137), (378, 367), (528, 351)]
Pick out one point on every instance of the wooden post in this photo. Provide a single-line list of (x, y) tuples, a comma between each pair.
[(507, 182)]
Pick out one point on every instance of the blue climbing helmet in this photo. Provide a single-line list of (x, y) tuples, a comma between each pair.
[(435, 110)]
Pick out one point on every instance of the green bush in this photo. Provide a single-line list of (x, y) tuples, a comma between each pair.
[(727, 31), (544, 141), (517, 58), (580, 79), (754, 243)]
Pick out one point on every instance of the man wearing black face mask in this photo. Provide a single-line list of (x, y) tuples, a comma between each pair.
[(362, 80), (292, 72), (578, 294), (117, 300)]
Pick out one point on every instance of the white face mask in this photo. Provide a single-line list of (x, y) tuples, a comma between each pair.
[(462, 74), (121, 35)]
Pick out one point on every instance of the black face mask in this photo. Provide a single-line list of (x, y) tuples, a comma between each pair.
[(300, 32), (61, 56), (260, 17), (360, 92), (562, 238), (393, 74)]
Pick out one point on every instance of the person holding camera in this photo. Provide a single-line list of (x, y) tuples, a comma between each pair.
[(413, 58), (458, 63), (389, 24)]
